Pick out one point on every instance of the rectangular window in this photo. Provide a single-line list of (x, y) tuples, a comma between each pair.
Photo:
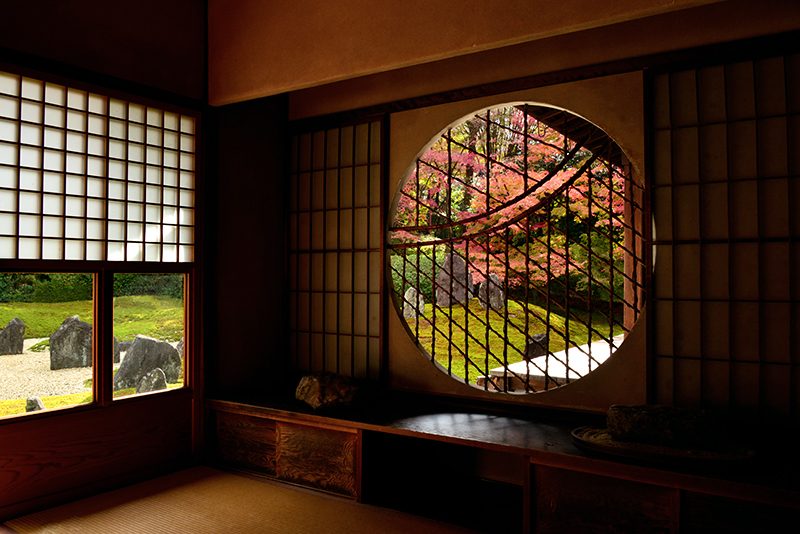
[(97, 224)]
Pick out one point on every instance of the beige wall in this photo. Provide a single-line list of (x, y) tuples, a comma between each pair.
[(259, 48)]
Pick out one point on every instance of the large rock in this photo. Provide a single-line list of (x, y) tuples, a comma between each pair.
[(71, 345), (454, 281), (144, 355), (325, 390), (12, 337), (663, 425), (491, 294), (413, 304), (155, 380), (538, 345), (34, 404)]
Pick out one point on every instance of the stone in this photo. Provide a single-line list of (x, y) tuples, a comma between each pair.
[(144, 355), (538, 345), (325, 390), (454, 281), (491, 294), (179, 348), (71, 345), (663, 425), (12, 337), (155, 380), (125, 345), (34, 404), (413, 304), (117, 351)]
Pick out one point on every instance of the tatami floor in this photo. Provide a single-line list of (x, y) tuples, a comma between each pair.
[(204, 500)]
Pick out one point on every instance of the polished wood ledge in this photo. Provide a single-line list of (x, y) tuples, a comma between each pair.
[(771, 478)]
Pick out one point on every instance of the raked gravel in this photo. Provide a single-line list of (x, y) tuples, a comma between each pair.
[(29, 375)]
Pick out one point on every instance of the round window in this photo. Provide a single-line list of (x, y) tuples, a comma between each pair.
[(515, 248)]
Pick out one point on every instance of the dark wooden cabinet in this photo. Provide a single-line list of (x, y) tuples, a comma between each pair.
[(497, 474)]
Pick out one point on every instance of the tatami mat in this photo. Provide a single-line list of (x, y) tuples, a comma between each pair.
[(203, 500)]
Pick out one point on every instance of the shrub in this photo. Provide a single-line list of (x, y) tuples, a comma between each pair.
[(166, 285)]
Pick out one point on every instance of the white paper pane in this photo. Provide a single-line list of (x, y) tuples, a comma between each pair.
[(117, 108), (74, 250), (95, 229), (95, 187), (170, 234), (53, 227), (152, 253), (154, 116), (187, 180), (116, 149), (136, 133), (153, 155), (187, 198), (55, 94), (154, 136), (54, 117), (31, 134), (171, 159), (95, 208), (53, 205), (29, 249), (75, 229), (8, 177), (30, 225), (53, 183), (54, 161), (153, 175), (52, 249), (30, 180), (170, 253), (29, 202), (136, 192), (187, 143), (9, 107), (116, 190), (171, 120), (134, 251), (153, 194), (9, 84), (116, 129), (30, 157), (97, 125), (8, 247), (170, 215), (116, 210), (187, 217), (76, 120), (76, 163), (187, 235), (96, 166), (135, 112), (76, 185), (76, 142), (8, 222), (170, 177), (97, 103), (94, 250), (116, 251), (152, 233), (54, 138), (76, 99), (116, 231), (187, 124), (170, 196), (75, 207), (187, 162), (96, 146), (135, 231), (116, 169), (9, 131), (186, 253), (8, 154), (135, 212), (135, 152), (171, 140), (153, 213), (32, 89), (135, 172), (32, 112)]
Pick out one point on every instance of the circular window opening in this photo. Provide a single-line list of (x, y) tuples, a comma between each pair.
[(516, 248)]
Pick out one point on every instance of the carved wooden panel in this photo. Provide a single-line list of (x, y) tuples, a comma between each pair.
[(246, 442), (571, 501), (317, 457)]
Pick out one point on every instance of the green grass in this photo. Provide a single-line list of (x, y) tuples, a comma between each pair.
[(450, 337), (43, 318)]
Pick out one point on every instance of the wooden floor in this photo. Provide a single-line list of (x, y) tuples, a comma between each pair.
[(203, 500)]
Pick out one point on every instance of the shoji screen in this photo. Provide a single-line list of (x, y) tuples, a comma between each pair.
[(335, 250), (726, 202)]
